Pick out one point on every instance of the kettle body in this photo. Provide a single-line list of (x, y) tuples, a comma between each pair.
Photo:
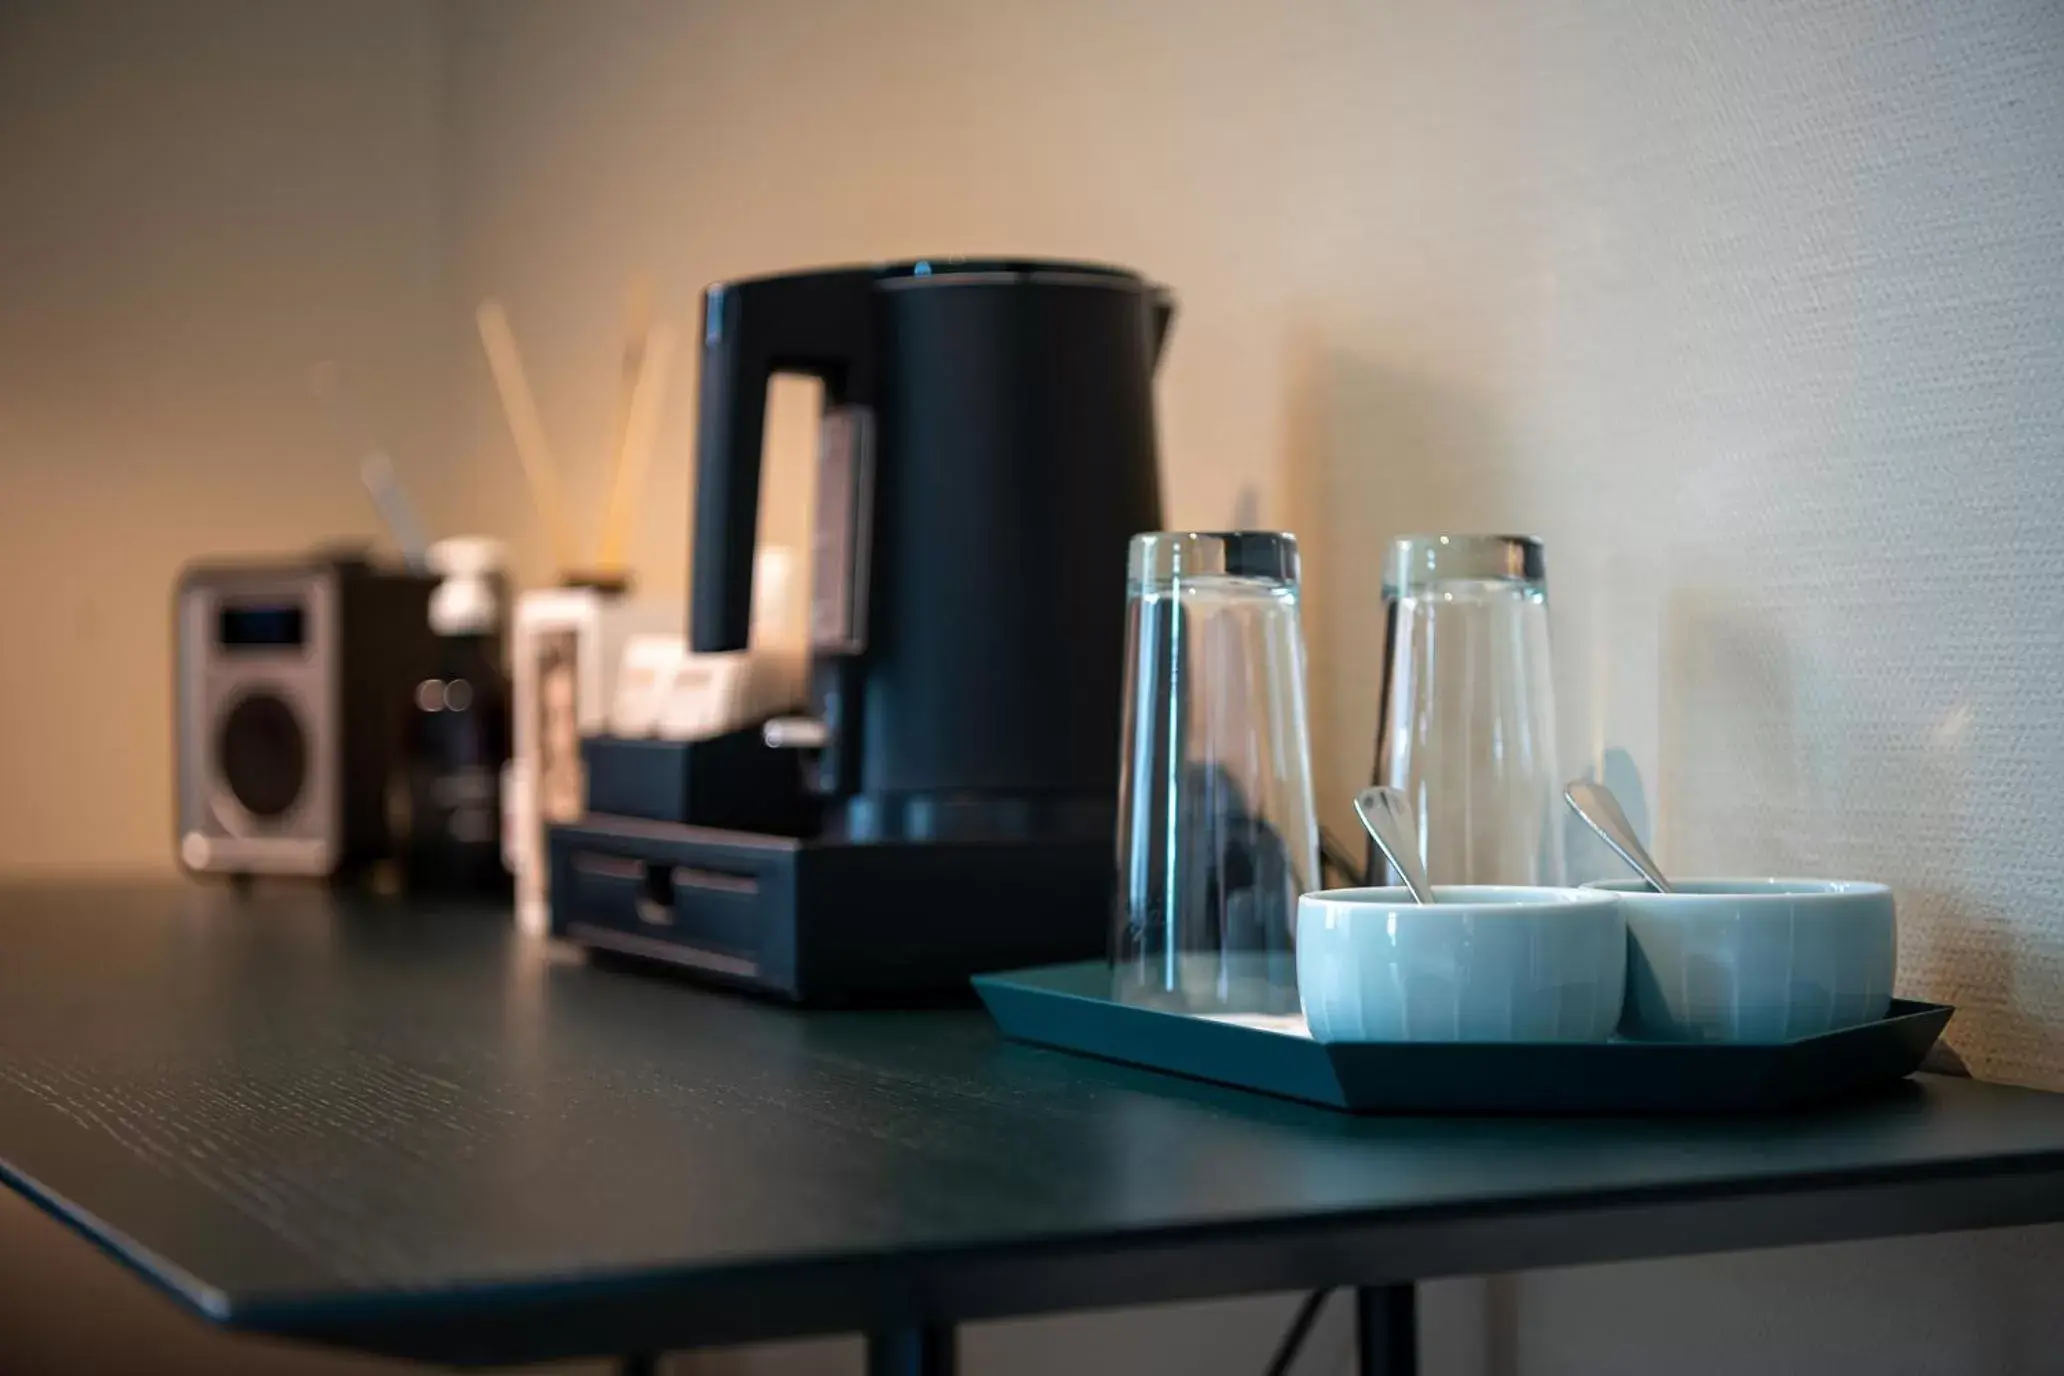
[(987, 450)]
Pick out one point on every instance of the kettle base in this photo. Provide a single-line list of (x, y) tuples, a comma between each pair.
[(826, 921)]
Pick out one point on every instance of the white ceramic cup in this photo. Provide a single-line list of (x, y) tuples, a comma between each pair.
[(1485, 964), (1755, 960)]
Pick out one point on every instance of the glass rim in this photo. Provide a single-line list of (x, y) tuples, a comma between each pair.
[(1158, 559), (1422, 561)]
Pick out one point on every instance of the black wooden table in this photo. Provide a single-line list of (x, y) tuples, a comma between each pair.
[(412, 1132)]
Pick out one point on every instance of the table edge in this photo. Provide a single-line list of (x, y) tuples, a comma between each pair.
[(664, 1308)]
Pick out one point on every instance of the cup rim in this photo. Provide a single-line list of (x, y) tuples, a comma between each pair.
[(1743, 889), (1523, 898)]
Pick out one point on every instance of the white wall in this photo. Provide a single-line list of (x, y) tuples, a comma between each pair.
[(198, 201), (1761, 300)]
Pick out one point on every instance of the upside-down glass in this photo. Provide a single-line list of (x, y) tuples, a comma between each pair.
[(1217, 835), (1466, 725)]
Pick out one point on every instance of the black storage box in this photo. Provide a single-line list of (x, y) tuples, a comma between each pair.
[(732, 781), (824, 921)]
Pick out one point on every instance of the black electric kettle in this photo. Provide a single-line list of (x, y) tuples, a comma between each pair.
[(987, 450)]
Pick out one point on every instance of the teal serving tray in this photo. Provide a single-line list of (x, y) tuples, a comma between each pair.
[(1070, 1007)]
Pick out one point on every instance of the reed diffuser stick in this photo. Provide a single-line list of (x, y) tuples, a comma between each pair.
[(637, 340), (641, 433), (375, 468), (519, 406)]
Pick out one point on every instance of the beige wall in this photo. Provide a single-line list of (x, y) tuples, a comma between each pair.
[(197, 203), (1758, 300), (1751, 310), (1761, 298)]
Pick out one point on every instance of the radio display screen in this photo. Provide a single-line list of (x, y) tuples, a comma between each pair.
[(260, 628)]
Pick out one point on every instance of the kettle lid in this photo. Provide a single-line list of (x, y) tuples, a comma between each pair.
[(960, 271), (948, 269)]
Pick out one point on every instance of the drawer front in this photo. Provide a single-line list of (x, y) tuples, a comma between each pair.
[(687, 915)]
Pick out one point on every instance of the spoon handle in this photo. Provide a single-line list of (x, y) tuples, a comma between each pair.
[(1601, 812), (1387, 813)]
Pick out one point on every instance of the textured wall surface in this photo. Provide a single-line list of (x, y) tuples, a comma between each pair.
[(1752, 310)]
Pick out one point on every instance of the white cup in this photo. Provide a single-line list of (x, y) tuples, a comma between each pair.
[(1484, 964), (1755, 960)]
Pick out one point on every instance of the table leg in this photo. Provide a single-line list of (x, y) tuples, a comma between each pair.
[(1386, 1330), (638, 1364), (919, 1350)]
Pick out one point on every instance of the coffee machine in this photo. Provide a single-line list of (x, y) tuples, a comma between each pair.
[(986, 451)]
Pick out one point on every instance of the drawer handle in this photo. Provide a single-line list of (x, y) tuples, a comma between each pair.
[(660, 883), (607, 866), (655, 902), (689, 877)]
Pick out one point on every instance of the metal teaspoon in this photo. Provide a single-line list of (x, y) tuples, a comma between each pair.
[(1387, 813), (1601, 812)]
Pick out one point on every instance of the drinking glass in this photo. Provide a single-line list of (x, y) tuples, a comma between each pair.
[(1467, 717), (1217, 835)]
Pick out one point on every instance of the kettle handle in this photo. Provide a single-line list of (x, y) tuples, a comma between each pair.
[(820, 324)]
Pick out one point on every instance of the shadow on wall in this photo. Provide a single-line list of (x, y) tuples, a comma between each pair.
[(1373, 450), (1956, 943), (1728, 737), (1768, 768), (1991, 975)]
